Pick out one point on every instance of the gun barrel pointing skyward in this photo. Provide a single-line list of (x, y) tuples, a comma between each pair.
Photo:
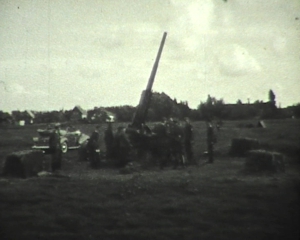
[(155, 66), (142, 109)]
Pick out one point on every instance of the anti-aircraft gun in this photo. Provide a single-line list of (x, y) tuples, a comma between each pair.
[(124, 141), (134, 140), (142, 109)]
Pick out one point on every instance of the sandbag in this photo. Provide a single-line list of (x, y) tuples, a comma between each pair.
[(240, 146), (27, 163), (262, 160)]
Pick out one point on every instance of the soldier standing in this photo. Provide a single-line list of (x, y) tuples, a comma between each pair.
[(210, 142), (55, 148), (93, 147), (109, 140), (188, 139), (122, 147), (176, 134)]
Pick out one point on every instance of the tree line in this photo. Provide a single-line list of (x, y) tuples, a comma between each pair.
[(162, 106)]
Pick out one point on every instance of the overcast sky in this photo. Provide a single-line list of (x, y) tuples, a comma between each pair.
[(55, 54)]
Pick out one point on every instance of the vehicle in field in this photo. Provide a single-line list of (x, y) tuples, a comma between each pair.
[(71, 138)]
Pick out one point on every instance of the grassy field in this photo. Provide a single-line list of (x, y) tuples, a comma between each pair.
[(207, 201)]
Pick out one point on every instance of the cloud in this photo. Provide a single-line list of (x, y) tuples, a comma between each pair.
[(235, 60), (279, 45), (193, 22), (18, 96), (16, 89), (39, 93), (200, 15)]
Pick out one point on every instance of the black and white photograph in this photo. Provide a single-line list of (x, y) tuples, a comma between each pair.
[(158, 119)]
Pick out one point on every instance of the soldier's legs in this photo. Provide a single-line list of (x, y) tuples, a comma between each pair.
[(122, 157), (178, 154), (59, 159), (183, 160), (210, 153), (109, 150), (83, 153), (181, 154), (91, 156), (93, 159), (173, 154), (126, 155), (177, 158), (189, 152), (53, 162), (56, 160), (175, 161), (164, 157)]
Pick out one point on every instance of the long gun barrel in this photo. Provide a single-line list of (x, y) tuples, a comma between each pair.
[(142, 109)]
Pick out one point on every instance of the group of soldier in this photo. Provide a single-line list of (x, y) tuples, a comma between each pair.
[(119, 146), (181, 139)]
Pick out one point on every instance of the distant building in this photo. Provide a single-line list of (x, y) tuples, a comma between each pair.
[(5, 118), (78, 114), (48, 117), (23, 118)]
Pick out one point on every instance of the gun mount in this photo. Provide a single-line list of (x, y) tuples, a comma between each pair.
[(142, 109)]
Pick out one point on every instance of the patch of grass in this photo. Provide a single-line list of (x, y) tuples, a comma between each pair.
[(163, 209), (208, 201)]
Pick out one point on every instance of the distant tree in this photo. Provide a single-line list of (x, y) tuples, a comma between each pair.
[(209, 101), (183, 109), (219, 108), (195, 115), (123, 113), (296, 110), (5, 118), (258, 102), (239, 101), (272, 97), (205, 108), (212, 108), (161, 106), (273, 111)]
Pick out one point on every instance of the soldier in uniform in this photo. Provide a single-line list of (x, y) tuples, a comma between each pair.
[(175, 134), (188, 139), (55, 148), (109, 140), (210, 142), (122, 148), (93, 147)]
